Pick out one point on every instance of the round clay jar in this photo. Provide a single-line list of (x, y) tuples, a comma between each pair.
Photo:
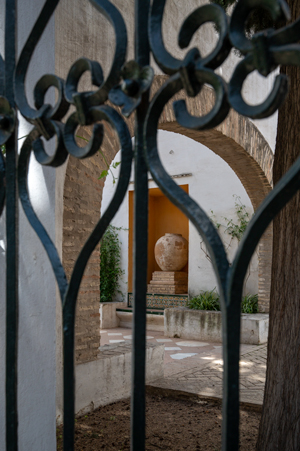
[(171, 252)]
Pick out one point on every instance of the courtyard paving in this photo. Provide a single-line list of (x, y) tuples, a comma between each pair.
[(196, 367)]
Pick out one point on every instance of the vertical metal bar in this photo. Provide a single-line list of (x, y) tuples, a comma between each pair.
[(231, 356), (140, 242), (12, 240), (69, 380)]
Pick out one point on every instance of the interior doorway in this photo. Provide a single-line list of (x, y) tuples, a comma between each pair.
[(164, 217)]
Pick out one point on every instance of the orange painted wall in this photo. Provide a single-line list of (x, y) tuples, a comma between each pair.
[(164, 217)]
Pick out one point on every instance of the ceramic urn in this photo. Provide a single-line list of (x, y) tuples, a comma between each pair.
[(171, 252)]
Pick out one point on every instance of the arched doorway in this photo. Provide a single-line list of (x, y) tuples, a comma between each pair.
[(237, 141)]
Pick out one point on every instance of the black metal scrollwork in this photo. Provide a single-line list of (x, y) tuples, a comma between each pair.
[(113, 118), (193, 72), (136, 81), (263, 52), (127, 85)]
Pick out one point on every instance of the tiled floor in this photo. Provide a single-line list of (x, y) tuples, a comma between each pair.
[(176, 349), (196, 367)]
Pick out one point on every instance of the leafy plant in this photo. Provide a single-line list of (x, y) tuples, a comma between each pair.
[(250, 303), (105, 172), (235, 228), (209, 300), (110, 264), (206, 300)]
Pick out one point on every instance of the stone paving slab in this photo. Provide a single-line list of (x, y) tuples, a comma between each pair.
[(206, 381), (196, 367)]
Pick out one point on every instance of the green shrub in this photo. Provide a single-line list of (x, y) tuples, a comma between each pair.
[(250, 303), (110, 264), (209, 300), (206, 300)]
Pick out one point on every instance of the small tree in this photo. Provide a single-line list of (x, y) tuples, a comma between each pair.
[(110, 264)]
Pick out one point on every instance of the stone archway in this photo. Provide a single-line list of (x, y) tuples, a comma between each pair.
[(237, 141), (81, 211)]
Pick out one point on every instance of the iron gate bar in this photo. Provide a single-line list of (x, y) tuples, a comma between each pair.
[(12, 231), (138, 426), (263, 52)]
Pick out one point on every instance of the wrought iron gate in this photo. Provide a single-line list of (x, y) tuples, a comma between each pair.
[(127, 86)]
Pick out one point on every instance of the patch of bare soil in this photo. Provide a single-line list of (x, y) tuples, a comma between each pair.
[(171, 424)]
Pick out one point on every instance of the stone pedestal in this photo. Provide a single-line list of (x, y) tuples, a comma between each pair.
[(168, 282)]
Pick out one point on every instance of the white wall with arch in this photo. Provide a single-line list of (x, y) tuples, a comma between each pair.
[(212, 183)]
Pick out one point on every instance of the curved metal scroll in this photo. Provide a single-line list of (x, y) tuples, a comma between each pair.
[(23, 63), (36, 224), (114, 119), (85, 100), (263, 52), (69, 292)]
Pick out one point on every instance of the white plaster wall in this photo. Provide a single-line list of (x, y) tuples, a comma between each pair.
[(212, 184), (36, 363), (37, 283)]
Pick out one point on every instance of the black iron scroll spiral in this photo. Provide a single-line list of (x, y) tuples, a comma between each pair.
[(262, 52)]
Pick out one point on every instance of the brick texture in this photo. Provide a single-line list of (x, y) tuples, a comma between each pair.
[(82, 202)]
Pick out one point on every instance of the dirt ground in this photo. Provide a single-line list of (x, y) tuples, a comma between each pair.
[(171, 424)]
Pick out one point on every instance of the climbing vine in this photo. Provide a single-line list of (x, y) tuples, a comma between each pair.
[(108, 170), (110, 264), (234, 228)]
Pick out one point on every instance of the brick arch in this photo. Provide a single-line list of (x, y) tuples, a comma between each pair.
[(236, 140), (82, 197)]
